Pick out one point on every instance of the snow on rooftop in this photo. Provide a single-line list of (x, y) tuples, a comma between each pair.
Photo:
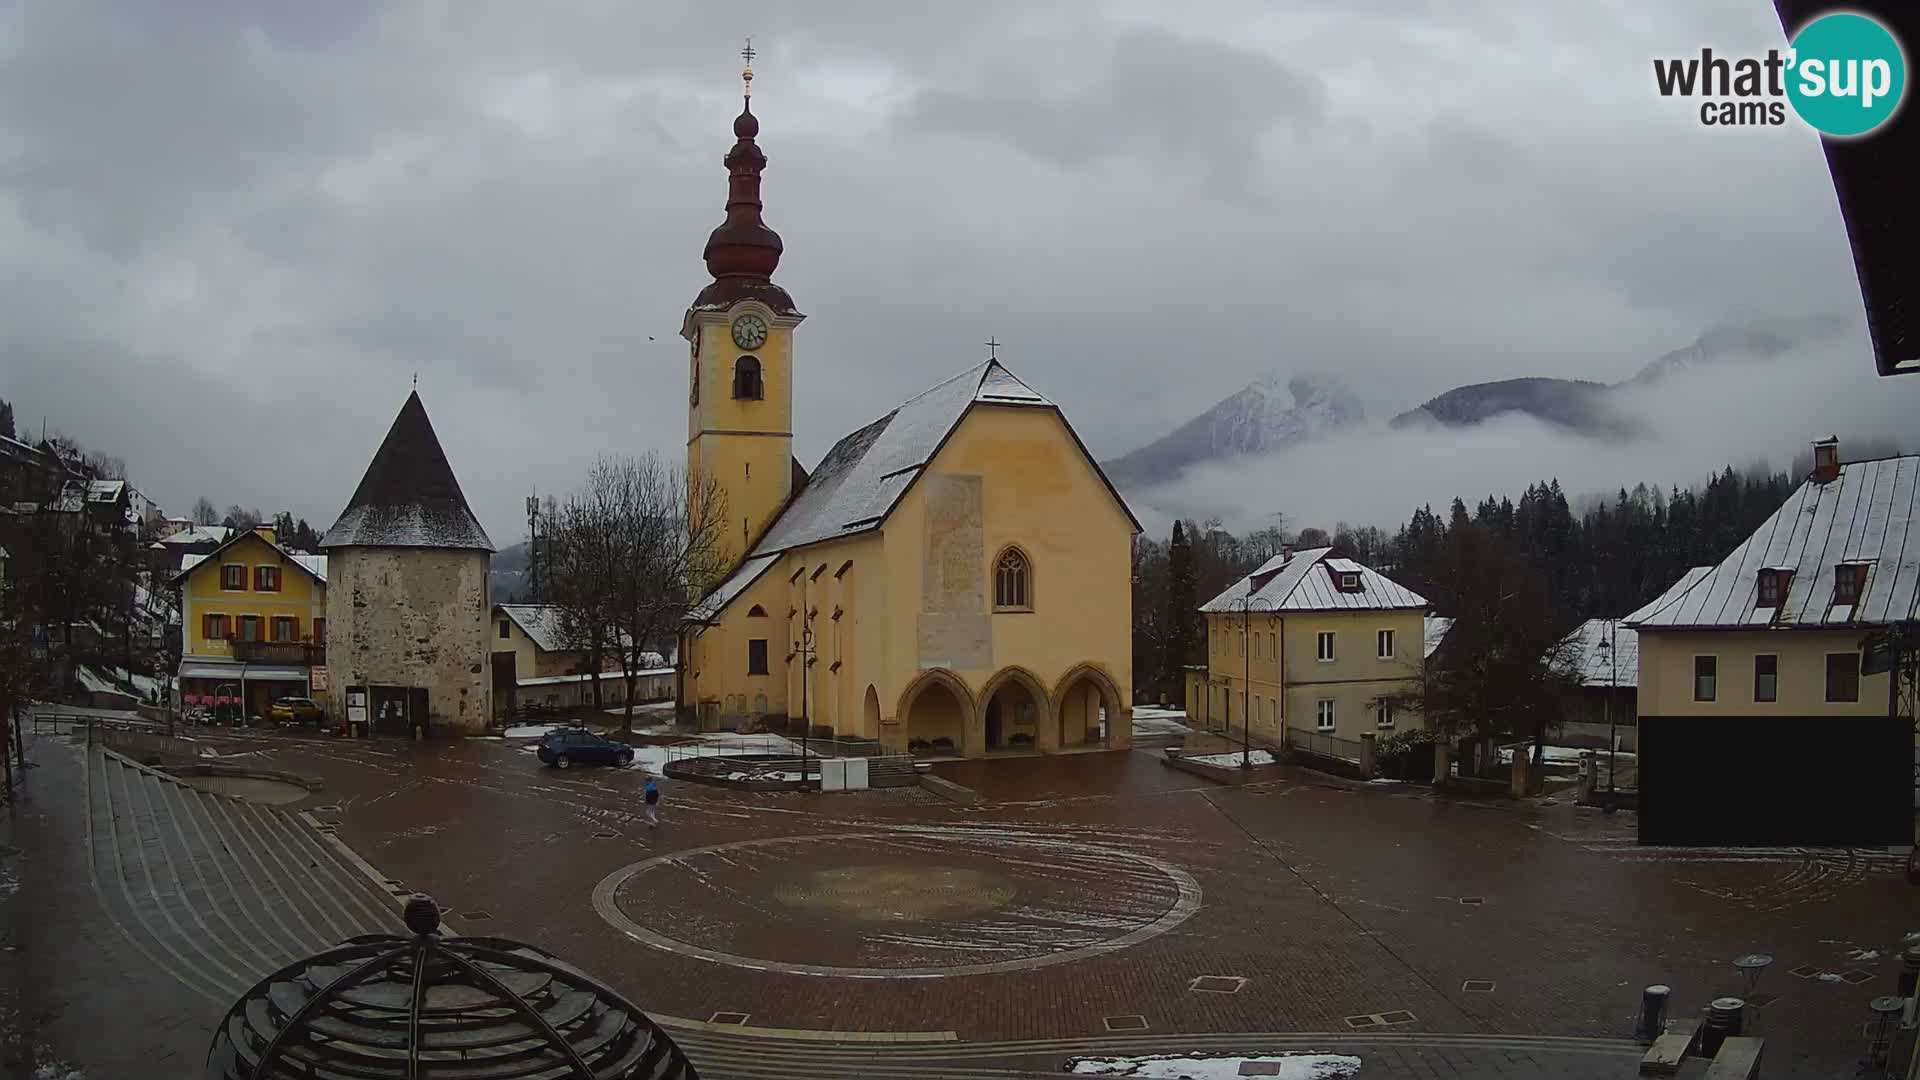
[(1603, 652), (1436, 632), (198, 534), (717, 600), (1290, 584), (1869, 513)]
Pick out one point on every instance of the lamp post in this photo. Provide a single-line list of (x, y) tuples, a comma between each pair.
[(1247, 605), (804, 649), (1611, 644)]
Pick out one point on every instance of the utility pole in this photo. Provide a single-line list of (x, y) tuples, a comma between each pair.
[(533, 547)]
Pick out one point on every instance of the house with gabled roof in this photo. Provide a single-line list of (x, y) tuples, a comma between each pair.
[(407, 609), (1775, 639), (253, 623), (953, 578), (1316, 645)]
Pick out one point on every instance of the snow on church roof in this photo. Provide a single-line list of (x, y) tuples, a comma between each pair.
[(1869, 514), (865, 473)]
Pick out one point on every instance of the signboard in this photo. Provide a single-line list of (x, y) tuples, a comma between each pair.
[(356, 706), (317, 676)]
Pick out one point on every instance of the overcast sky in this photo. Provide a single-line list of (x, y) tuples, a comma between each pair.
[(232, 232)]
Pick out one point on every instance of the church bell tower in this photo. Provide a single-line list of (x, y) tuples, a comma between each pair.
[(740, 335)]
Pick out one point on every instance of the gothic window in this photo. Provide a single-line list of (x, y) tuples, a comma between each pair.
[(1012, 581), (746, 379), (756, 612)]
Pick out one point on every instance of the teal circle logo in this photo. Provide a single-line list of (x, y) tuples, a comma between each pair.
[(1847, 74)]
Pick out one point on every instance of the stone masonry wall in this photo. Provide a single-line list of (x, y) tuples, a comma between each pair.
[(411, 617)]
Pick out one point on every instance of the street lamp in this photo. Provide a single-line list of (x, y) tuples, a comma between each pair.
[(804, 649), (1611, 644), (1247, 605)]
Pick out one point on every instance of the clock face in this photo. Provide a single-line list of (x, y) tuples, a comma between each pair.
[(749, 332)]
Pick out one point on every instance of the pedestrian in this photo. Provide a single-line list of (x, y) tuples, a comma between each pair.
[(652, 797)]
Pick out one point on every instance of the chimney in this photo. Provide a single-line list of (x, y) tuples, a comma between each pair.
[(265, 532), (1286, 552), (1826, 460)]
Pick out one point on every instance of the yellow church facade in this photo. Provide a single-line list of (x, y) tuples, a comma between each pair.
[(951, 579)]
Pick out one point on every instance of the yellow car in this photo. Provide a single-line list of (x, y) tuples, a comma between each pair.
[(296, 710)]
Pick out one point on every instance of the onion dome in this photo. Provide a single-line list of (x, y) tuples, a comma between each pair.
[(412, 1008), (742, 252)]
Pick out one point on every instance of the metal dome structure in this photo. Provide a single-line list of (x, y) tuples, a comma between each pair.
[(432, 1008)]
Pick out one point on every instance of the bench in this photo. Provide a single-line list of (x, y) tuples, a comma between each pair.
[(1663, 1058), (1738, 1059)]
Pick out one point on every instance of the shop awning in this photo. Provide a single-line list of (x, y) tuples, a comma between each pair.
[(214, 669)]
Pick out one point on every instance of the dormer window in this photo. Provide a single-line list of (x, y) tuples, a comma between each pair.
[(1346, 575), (1349, 581), (746, 379), (1849, 583), (1773, 586)]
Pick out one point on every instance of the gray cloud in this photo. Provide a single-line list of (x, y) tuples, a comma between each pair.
[(230, 233)]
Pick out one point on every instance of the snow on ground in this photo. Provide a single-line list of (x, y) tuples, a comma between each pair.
[(1233, 759), (1196, 1067), (531, 731), (1563, 755), (654, 758), (1153, 720)]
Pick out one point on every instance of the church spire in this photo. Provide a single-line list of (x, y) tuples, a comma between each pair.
[(743, 246)]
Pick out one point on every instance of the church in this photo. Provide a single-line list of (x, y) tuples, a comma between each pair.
[(953, 579)]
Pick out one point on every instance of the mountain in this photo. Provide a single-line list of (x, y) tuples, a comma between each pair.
[(1750, 335), (1266, 415), (507, 578), (1569, 403)]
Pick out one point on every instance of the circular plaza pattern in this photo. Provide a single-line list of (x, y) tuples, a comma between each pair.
[(907, 903)]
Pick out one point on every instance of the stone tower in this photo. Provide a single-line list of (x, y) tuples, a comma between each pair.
[(740, 332), (407, 591)]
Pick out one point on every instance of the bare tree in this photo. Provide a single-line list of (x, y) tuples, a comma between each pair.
[(204, 512), (625, 550)]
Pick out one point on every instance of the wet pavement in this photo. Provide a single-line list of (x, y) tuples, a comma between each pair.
[(1360, 912)]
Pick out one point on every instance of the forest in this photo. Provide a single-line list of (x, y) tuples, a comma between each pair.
[(1595, 555)]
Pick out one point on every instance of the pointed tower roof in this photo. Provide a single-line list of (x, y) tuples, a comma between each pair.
[(408, 498), (742, 252)]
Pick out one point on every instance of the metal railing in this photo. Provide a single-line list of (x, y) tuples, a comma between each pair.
[(1319, 742)]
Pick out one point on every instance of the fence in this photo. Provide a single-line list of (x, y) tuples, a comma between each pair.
[(1323, 744)]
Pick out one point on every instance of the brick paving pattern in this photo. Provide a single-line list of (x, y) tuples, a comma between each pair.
[(1333, 900)]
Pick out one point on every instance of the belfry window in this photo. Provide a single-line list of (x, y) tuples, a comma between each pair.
[(746, 379), (1012, 582)]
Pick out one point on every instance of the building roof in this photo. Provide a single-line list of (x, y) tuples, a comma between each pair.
[(1869, 514), (1873, 180), (541, 623), (314, 565), (1436, 632), (408, 497), (1603, 652), (197, 534), (865, 475), (1300, 581), (1687, 581)]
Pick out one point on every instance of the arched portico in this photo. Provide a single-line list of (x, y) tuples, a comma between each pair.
[(870, 714), (1015, 713), (935, 710), (1090, 711)]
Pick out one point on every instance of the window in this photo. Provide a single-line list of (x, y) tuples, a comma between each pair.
[(757, 656), (1012, 589), (1384, 640), (1383, 714), (249, 628), (1705, 670), (1349, 582), (746, 379), (1849, 581), (286, 628), (504, 631), (233, 577), (1766, 678), (1323, 714), (756, 612), (1324, 645), (1773, 587), (266, 579), (213, 627), (320, 631), (1843, 676)]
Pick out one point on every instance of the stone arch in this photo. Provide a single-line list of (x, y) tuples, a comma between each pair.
[(870, 714), (1008, 723), (939, 726), (1079, 699)]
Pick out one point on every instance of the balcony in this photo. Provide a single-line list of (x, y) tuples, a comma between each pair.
[(293, 653)]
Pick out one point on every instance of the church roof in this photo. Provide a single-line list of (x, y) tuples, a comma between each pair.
[(864, 476), (408, 497)]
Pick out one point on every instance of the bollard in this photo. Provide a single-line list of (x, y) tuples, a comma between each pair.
[(1909, 971), (1723, 1020), (1653, 1011)]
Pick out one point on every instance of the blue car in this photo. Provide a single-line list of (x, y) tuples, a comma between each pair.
[(577, 746)]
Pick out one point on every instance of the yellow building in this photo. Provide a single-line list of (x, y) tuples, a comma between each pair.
[(253, 623), (1756, 686), (1313, 645), (953, 578)]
